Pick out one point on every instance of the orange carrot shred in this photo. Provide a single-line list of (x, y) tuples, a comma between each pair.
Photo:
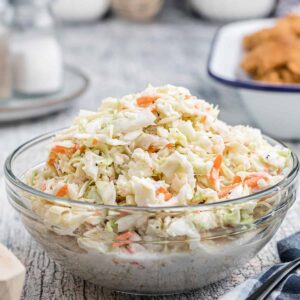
[(218, 161), (215, 170), (51, 159), (61, 150), (152, 149), (62, 191), (123, 239), (237, 179), (124, 236), (170, 146), (145, 101), (227, 189), (162, 190), (81, 148), (252, 180)]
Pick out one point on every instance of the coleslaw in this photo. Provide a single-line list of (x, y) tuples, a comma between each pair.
[(162, 147)]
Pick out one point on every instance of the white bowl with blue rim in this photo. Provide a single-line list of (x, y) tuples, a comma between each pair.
[(275, 108)]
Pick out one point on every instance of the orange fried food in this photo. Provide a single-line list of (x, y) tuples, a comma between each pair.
[(263, 59), (294, 60), (267, 35), (290, 22), (273, 54)]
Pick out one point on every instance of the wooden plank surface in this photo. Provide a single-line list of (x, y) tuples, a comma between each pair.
[(122, 57)]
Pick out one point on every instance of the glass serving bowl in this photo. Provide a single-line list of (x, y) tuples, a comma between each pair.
[(160, 265)]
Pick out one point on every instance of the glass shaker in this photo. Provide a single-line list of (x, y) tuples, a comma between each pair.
[(5, 67), (37, 55)]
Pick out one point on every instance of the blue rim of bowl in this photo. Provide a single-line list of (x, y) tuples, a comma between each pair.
[(246, 84), (13, 179)]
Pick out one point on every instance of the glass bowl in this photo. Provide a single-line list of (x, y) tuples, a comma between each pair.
[(155, 263)]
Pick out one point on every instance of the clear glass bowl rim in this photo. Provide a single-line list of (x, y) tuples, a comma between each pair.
[(12, 178)]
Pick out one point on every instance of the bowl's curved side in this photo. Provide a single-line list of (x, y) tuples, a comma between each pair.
[(165, 266), (155, 273), (160, 263)]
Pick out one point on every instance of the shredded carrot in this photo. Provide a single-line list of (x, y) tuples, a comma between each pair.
[(123, 239), (62, 191), (203, 119), (221, 172), (218, 161), (258, 174), (170, 146), (237, 179), (124, 236), (61, 150), (252, 180), (187, 97), (152, 149), (54, 152), (51, 159), (215, 170), (94, 142), (145, 101), (162, 190), (78, 147), (227, 189)]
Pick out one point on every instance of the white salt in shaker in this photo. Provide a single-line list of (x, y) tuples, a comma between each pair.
[(37, 55), (37, 66)]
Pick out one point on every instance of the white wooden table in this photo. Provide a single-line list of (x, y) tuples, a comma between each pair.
[(121, 57)]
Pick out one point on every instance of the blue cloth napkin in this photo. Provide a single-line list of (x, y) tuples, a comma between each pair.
[(288, 289)]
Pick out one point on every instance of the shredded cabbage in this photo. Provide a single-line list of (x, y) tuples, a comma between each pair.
[(161, 147)]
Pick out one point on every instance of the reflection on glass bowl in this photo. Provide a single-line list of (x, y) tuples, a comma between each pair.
[(160, 265)]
